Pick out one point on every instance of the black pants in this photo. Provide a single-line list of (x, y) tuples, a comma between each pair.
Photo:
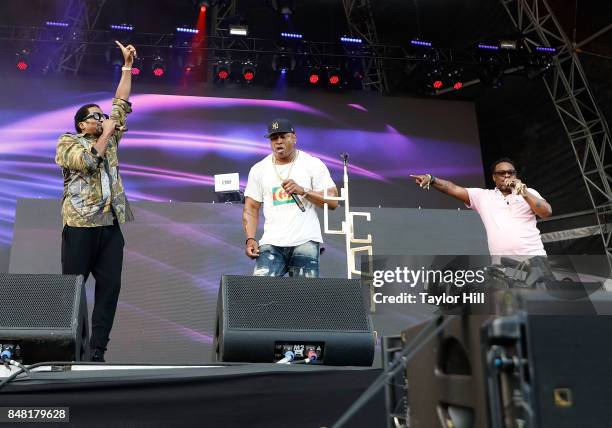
[(99, 251)]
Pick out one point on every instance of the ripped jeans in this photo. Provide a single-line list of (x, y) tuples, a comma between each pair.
[(302, 260)]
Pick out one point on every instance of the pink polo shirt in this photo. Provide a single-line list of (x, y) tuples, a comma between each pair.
[(509, 221)]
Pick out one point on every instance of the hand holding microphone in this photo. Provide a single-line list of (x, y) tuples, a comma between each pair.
[(109, 126), (293, 189), (517, 186)]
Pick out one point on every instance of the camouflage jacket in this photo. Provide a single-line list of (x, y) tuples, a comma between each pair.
[(92, 184)]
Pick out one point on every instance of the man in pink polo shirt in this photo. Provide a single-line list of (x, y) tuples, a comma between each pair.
[(508, 211)]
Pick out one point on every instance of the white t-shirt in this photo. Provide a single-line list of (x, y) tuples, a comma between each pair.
[(509, 221), (285, 224)]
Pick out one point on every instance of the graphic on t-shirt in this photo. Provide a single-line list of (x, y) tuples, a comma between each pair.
[(280, 197)]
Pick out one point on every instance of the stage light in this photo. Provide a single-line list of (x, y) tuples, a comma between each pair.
[(314, 76), (239, 30), (545, 49), (222, 71), (489, 47), (187, 30), (334, 78), (458, 85), (122, 27), (291, 35), (284, 62), (137, 67), (23, 62), (248, 71), (421, 43), (56, 24), (22, 65), (347, 39), (158, 67), (508, 44), (437, 84)]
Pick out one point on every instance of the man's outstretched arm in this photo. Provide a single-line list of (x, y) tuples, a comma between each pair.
[(444, 186), (125, 84)]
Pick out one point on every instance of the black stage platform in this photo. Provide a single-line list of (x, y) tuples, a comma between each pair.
[(228, 395)]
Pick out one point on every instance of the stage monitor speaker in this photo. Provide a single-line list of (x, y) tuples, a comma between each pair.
[(43, 317), (446, 377), (536, 367), (259, 319)]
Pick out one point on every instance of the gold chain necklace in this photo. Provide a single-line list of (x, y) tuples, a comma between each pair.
[(297, 152)]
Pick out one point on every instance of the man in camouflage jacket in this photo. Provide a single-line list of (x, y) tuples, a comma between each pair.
[(94, 203)]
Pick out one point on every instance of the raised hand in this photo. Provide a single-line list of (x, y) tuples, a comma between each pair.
[(129, 53)]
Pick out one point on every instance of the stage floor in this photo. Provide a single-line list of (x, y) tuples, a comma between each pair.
[(223, 395)]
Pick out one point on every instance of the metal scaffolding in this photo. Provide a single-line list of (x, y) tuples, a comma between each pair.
[(361, 23), (81, 17), (580, 115), (98, 42)]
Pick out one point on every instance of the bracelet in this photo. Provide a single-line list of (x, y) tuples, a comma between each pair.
[(124, 68), (248, 239)]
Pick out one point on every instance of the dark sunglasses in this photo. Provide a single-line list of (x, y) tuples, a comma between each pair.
[(95, 115), (509, 172)]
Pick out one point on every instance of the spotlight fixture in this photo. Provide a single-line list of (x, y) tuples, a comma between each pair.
[(56, 24), (23, 62), (122, 27), (546, 49), (239, 30), (314, 76), (421, 43), (187, 30), (292, 35), (248, 71), (158, 67), (284, 61), (137, 67), (333, 77), (486, 46), (509, 45), (347, 39), (222, 71)]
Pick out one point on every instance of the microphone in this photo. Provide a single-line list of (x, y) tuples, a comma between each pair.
[(298, 202)]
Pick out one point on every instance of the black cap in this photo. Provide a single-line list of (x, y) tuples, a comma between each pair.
[(279, 126)]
